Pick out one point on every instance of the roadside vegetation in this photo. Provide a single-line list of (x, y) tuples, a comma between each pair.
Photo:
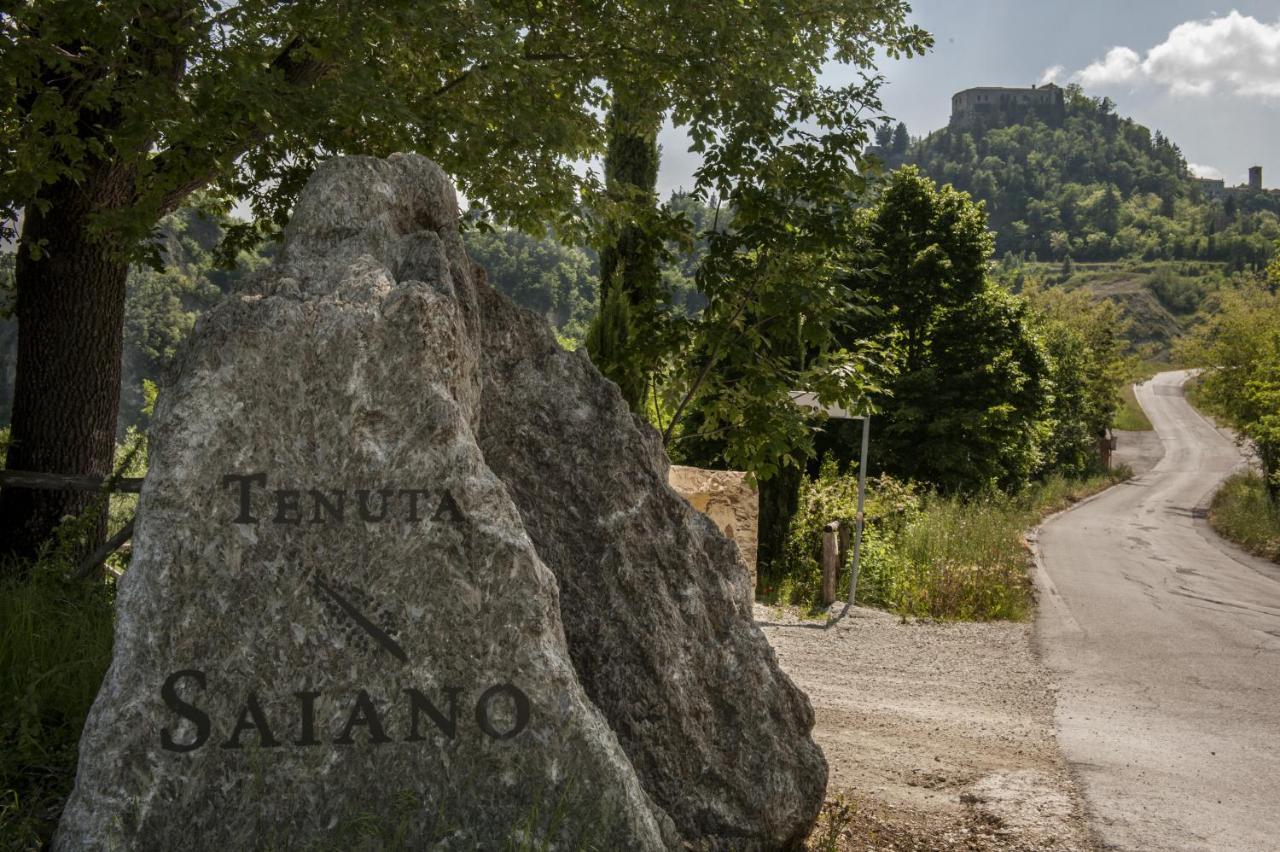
[(990, 418), (55, 645), (1240, 387), (1129, 416), (1242, 512), (925, 554)]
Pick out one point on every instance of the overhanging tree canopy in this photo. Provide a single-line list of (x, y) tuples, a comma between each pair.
[(121, 110)]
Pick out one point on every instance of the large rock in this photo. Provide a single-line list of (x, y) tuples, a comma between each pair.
[(457, 605), (655, 602)]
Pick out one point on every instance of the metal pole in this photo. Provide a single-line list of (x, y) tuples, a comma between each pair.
[(862, 493)]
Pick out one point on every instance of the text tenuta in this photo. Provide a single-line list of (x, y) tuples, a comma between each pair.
[(329, 506), (362, 723)]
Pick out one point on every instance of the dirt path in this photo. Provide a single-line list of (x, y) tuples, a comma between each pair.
[(939, 736)]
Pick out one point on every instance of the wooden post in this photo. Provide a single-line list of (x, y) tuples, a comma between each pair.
[(99, 556), (830, 562), (842, 542)]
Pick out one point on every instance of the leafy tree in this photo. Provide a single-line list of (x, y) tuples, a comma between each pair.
[(612, 342), (935, 247), (778, 75), (1085, 346), (630, 281), (964, 409), (901, 139), (540, 273), (1239, 348), (884, 136), (120, 110), (781, 286)]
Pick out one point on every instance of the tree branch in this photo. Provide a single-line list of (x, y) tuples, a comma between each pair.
[(706, 369), (299, 70), (484, 66)]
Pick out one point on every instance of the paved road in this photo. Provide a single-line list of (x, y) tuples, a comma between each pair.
[(1165, 642)]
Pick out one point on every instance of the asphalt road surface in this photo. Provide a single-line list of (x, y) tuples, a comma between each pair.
[(1164, 641)]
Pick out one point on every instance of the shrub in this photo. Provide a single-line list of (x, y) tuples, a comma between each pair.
[(833, 496)]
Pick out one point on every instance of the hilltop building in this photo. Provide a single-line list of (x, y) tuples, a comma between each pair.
[(1211, 187), (994, 106), (1217, 189)]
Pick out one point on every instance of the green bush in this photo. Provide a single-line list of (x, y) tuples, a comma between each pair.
[(1242, 513), (833, 496)]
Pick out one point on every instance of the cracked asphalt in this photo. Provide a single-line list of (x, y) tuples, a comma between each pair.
[(1164, 642)]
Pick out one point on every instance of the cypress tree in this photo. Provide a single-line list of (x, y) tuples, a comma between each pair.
[(630, 280)]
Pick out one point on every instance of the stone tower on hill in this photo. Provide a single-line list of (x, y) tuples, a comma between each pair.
[(991, 106)]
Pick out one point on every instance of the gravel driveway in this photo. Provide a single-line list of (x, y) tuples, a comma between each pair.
[(939, 736)]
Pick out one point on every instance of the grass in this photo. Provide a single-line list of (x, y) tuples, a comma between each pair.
[(961, 560), (967, 560), (55, 645), (56, 633), (931, 556), (1130, 416), (1241, 512)]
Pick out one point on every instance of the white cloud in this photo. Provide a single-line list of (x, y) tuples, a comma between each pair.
[(1234, 54), (1205, 171), (1052, 74), (1121, 65)]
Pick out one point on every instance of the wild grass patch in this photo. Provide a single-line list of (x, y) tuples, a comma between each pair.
[(1242, 512), (55, 645), (927, 555), (1130, 416)]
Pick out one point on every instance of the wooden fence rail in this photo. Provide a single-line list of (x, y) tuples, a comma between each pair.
[(79, 482), (66, 481)]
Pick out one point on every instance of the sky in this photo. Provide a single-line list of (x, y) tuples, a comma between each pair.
[(1207, 75)]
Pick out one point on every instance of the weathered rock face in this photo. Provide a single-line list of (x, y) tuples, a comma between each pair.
[(653, 597), (367, 591)]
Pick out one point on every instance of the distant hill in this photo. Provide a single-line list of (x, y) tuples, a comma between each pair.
[(1094, 186), (1160, 299)]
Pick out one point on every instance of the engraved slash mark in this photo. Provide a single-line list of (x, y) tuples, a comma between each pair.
[(377, 633)]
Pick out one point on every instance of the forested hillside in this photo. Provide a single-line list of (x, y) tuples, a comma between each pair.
[(1099, 187)]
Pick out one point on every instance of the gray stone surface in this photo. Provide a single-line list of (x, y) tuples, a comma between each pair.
[(371, 358), (653, 597)]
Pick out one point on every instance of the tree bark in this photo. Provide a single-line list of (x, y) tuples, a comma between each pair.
[(779, 501), (70, 310)]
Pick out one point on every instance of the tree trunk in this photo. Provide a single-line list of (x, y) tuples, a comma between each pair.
[(70, 310), (779, 500)]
